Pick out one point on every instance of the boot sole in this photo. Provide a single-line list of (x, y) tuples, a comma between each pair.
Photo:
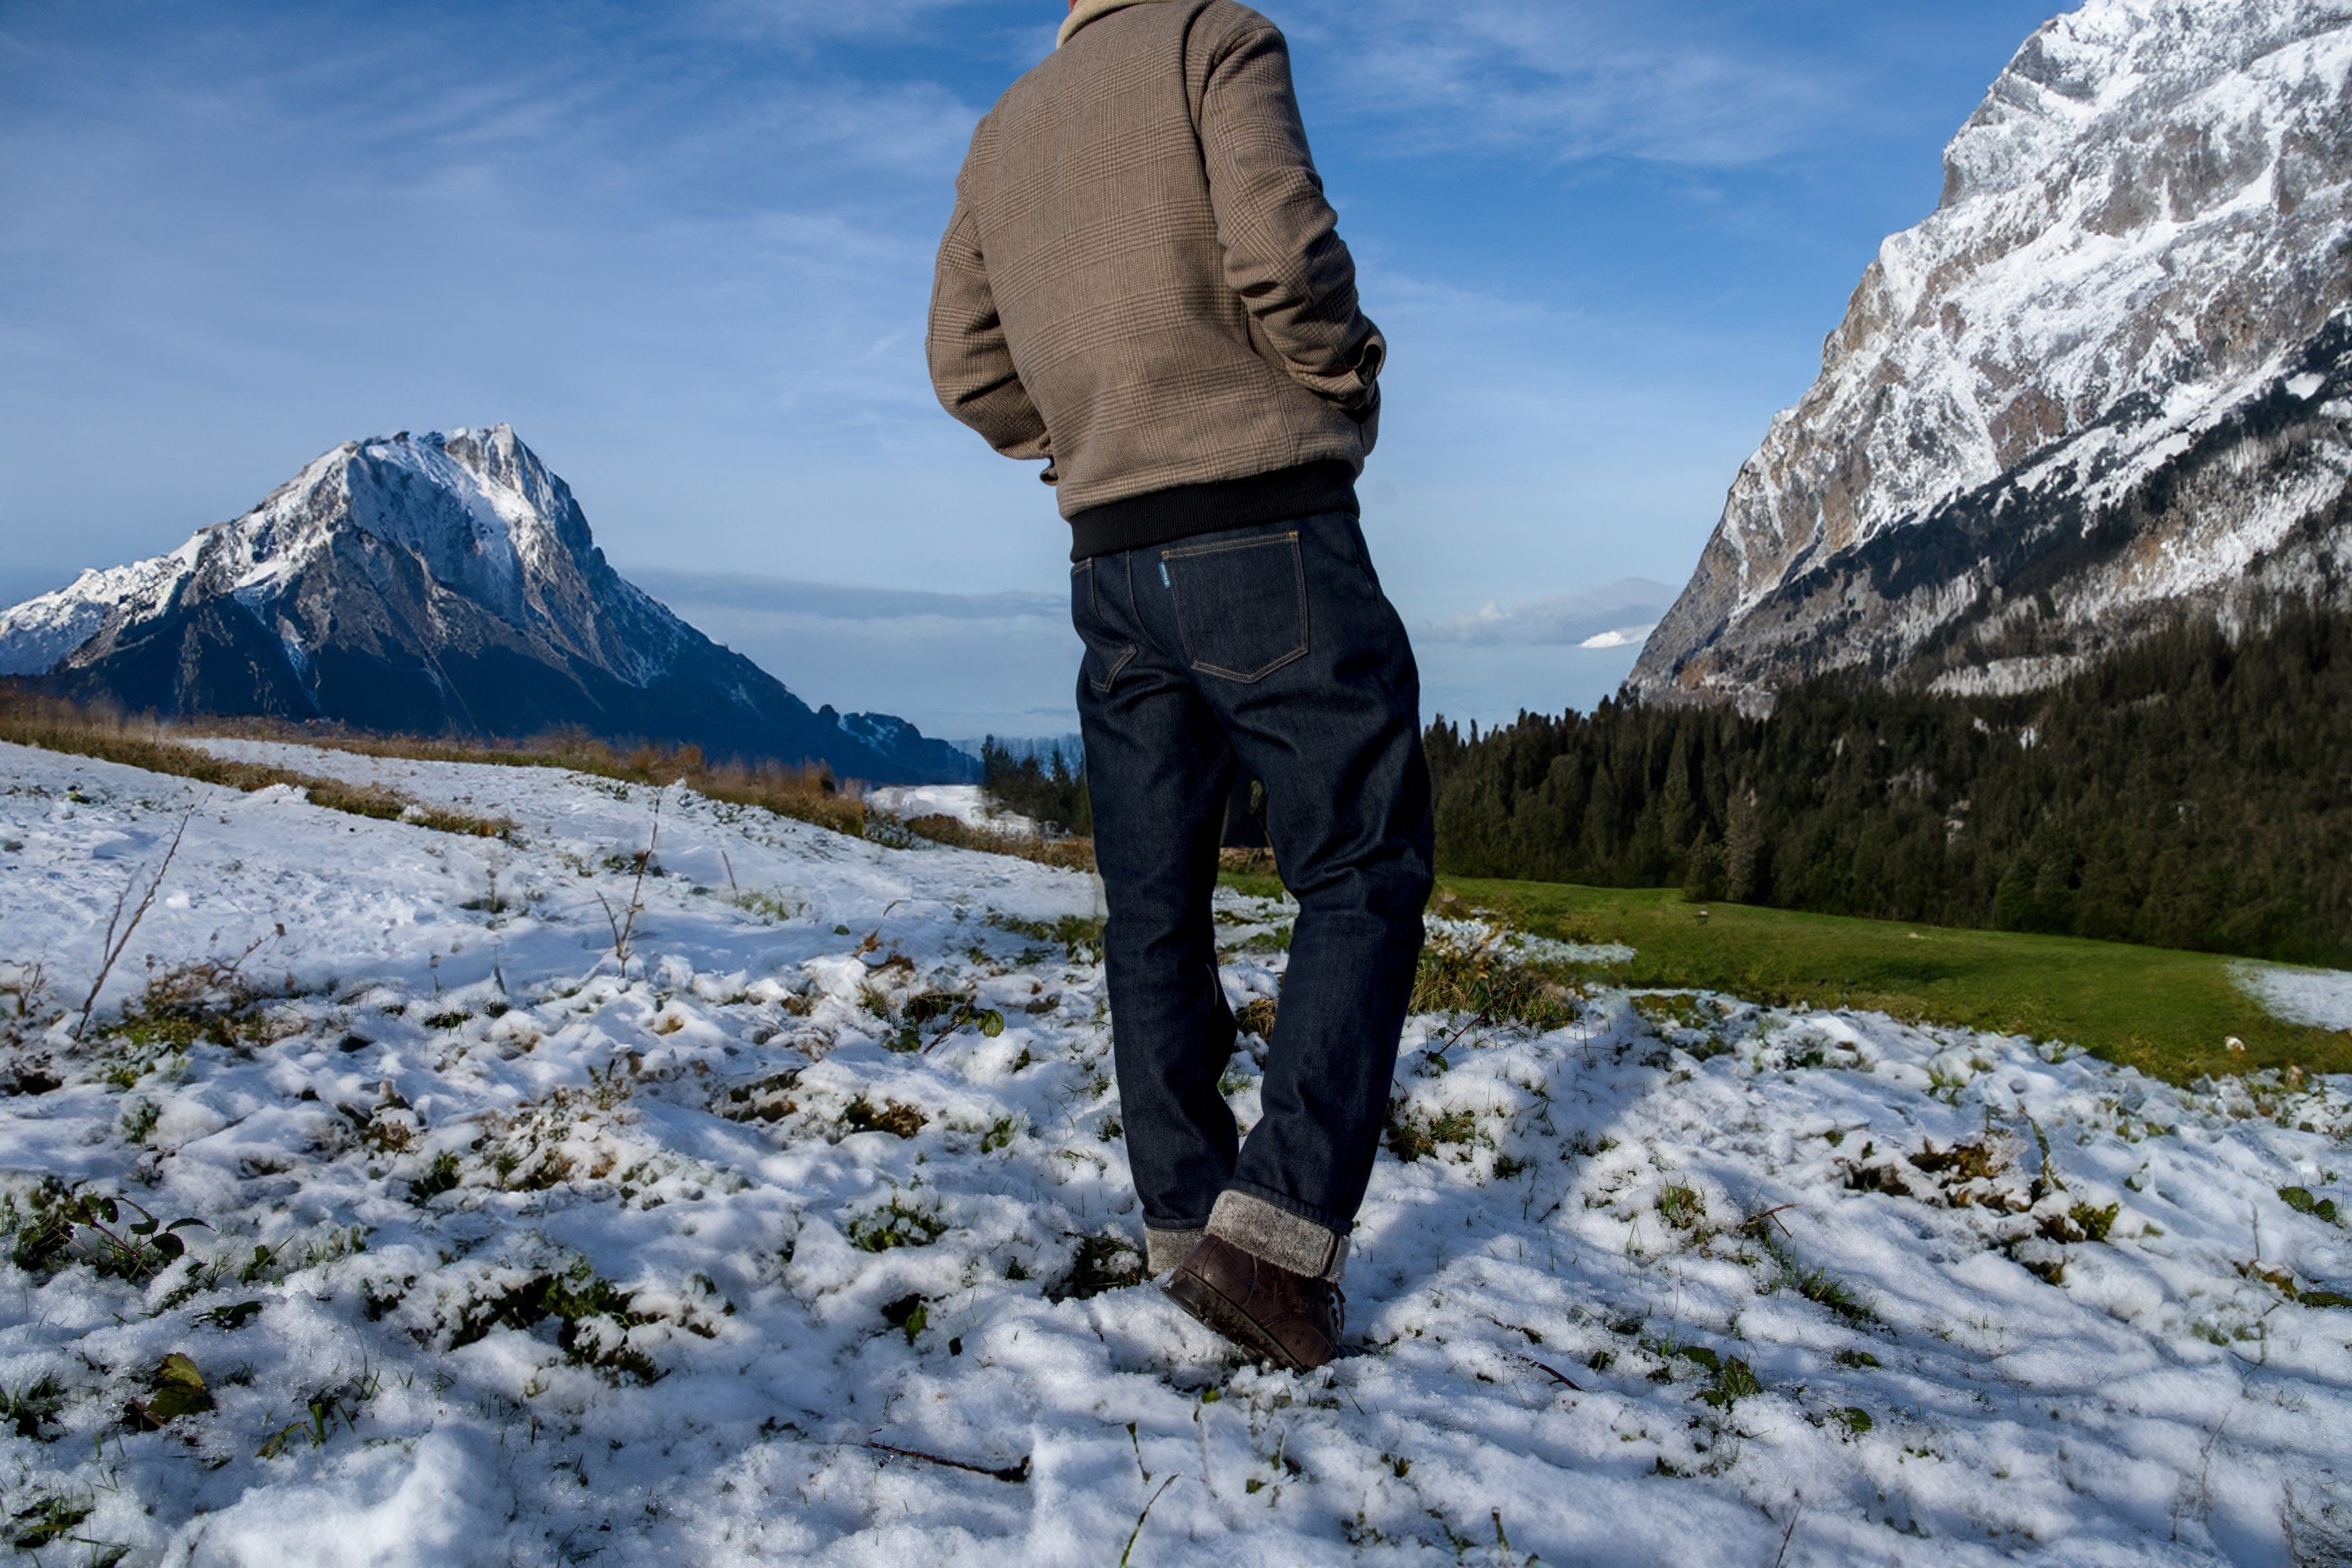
[(1210, 1306)]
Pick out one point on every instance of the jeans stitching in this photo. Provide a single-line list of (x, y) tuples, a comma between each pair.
[(1299, 580), (1093, 608), (1290, 538), (1105, 685)]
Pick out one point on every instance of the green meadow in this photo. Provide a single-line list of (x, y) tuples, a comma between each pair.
[(2168, 1013)]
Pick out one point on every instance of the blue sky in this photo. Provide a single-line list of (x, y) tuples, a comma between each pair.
[(685, 248)]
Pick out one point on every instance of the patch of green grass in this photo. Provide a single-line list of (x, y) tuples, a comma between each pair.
[(1823, 1288), (440, 1176), (32, 1411), (1253, 884), (896, 1224), (46, 1518), (1102, 1263), (1410, 1138), (1682, 1207), (1081, 937), (594, 1316), (1490, 985), (2168, 1013)]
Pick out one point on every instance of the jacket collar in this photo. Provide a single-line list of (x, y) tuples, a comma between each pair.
[(1089, 10)]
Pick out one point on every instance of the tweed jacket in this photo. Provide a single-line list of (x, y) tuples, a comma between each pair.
[(1142, 282)]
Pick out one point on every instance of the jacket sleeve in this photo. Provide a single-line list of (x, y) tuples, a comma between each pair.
[(1283, 252), (972, 363)]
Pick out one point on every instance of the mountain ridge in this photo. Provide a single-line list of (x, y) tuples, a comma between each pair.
[(442, 584), (2101, 385)]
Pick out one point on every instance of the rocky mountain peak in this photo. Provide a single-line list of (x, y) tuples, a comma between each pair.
[(2143, 235), (442, 583)]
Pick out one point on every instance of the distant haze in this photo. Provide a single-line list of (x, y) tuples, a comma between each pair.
[(965, 665)]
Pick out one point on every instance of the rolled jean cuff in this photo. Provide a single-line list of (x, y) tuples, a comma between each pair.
[(1164, 1250), (1281, 1237)]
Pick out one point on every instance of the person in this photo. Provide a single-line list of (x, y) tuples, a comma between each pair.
[(1143, 284)]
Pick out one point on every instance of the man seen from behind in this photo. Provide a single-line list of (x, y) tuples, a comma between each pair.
[(1143, 285)]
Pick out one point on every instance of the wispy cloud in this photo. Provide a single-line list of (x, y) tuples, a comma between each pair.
[(1637, 78), (835, 602), (1618, 615)]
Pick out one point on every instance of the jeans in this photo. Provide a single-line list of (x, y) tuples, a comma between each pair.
[(1270, 649)]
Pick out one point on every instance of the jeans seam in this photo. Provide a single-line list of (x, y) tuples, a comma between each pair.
[(1093, 608), (1184, 553), (1111, 678)]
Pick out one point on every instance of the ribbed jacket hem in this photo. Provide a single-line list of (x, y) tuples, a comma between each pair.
[(1141, 522)]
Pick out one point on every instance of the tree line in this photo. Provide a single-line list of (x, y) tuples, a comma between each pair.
[(2193, 790)]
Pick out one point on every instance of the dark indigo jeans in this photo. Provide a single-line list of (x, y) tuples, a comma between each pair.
[(1273, 649)]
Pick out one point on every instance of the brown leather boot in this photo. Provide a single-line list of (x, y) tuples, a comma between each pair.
[(1290, 1318)]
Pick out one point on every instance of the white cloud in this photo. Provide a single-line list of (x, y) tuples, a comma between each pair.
[(1619, 614)]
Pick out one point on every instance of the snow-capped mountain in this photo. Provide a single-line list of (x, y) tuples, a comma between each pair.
[(2109, 379), (435, 584)]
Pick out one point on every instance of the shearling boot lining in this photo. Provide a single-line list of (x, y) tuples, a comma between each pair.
[(1281, 1237), (1087, 11), (1166, 1249)]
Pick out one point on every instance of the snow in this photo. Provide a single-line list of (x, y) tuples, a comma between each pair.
[(967, 804), (712, 1128), (2321, 998), (37, 635)]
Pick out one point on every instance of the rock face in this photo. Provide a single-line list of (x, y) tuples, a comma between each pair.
[(2110, 379), (439, 584)]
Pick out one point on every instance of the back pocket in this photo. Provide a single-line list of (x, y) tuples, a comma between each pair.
[(1241, 605)]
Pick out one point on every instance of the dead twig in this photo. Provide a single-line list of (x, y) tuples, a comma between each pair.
[(1012, 1474), (112, 946), (624, 921), (1552, 1372)]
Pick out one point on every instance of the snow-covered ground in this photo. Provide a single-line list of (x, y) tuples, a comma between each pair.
[(2319, 997), (967, 804), (517, 1253)]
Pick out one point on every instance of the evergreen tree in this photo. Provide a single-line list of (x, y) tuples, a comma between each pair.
[(2194, 789)]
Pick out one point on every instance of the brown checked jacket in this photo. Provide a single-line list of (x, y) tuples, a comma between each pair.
[(1143, 283)]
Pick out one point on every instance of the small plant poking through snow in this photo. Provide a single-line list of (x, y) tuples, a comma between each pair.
[(57, 1227), (1102, 1263), (179, 1389), (1483, 980), (898, 1121), (895, 1225)]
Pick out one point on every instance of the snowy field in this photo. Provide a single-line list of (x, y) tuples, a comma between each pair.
[(804, 1235), (2319, 997)]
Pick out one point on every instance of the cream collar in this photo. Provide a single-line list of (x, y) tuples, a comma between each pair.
[(1089, 10)]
